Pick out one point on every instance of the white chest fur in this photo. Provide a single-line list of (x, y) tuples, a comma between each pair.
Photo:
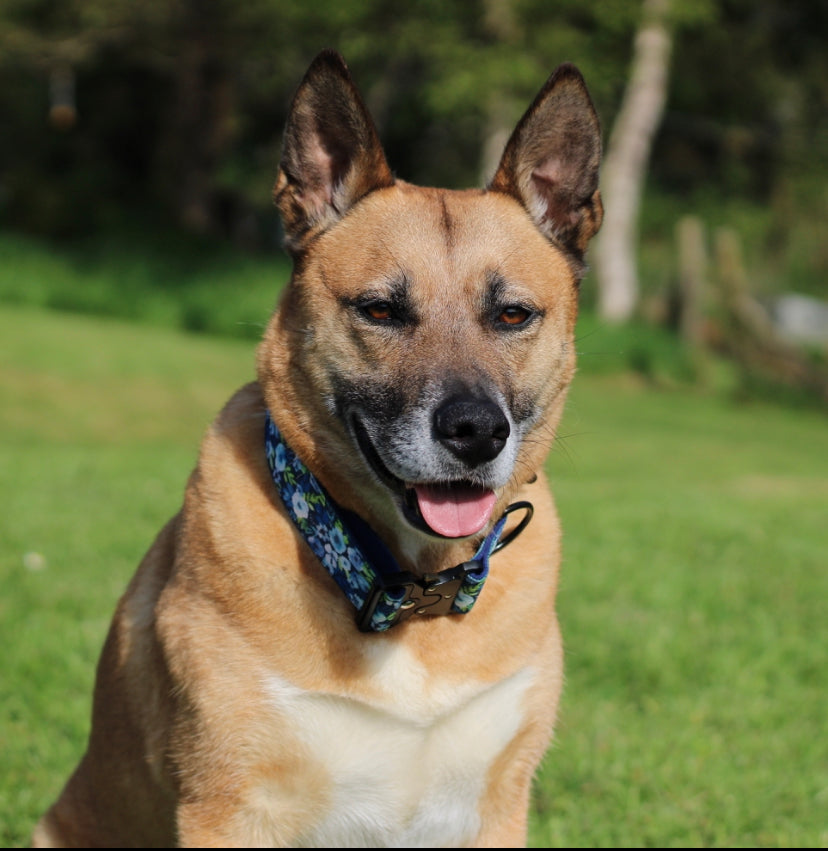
[(409, 768)]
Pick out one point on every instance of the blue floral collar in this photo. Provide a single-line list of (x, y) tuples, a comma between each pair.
[(359, 561)]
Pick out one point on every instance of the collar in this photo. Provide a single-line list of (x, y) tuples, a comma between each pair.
[(358, 560)]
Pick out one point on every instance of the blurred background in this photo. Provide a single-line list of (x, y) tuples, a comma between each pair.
[(155, 127), (140, 258)]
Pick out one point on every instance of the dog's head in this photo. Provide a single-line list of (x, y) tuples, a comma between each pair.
[(421, 354)]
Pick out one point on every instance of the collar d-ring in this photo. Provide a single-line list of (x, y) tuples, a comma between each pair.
[(507, 539)]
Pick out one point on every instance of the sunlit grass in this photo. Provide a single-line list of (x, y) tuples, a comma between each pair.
[(693, 610)]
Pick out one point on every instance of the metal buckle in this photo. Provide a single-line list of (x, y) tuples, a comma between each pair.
[(430, 594)]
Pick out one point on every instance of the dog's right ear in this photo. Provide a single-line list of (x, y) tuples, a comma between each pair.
[(331, 155)]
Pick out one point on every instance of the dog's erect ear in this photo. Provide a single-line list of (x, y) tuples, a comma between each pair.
[(551, 162), (331, 155)]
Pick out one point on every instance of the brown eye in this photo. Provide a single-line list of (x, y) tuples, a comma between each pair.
[(379, 311), (513, 315)]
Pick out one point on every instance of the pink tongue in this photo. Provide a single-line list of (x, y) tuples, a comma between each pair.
[(455, 512)]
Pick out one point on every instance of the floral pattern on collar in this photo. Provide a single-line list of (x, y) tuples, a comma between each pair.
[(315, 515)]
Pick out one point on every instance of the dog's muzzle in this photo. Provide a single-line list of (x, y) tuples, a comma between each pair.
[(442, 467)]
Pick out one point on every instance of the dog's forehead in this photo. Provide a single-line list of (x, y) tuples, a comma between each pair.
[(444, 239)]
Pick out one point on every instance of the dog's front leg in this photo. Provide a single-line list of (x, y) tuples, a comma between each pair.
[(505, 804), (504, 810), (223, 823)]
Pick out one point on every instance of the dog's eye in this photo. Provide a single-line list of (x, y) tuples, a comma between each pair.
[(384, 312), (513, 315), (378, 311)]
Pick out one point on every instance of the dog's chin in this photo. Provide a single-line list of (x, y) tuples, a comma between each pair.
[(407, 497)]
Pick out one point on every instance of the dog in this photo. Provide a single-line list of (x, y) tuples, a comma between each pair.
[(347, 635)]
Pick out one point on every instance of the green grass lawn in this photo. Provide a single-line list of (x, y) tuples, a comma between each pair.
[(694, 593)]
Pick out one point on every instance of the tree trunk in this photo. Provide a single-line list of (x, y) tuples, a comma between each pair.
[(692, 260), (625, 165)]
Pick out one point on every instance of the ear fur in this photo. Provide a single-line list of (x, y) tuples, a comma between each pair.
[(331, 154), (551, 162)]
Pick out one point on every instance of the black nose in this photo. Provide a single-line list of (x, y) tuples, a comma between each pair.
[(475, 430)]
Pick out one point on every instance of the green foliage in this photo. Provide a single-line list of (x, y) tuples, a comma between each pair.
[(748, 101), (782, 241), (691, 599), (179, 103), (169, 280), (651, 352)]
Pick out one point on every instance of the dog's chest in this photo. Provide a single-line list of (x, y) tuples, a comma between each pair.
[(408, 768)]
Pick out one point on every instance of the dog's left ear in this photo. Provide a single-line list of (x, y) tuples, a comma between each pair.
[(551, 162), (331, 155)]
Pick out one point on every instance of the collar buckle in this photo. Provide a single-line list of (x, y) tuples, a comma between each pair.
[(396, 598)]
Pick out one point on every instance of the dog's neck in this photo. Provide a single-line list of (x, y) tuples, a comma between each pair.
[(359, 561)]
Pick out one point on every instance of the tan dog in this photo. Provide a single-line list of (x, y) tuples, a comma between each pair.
[(308, 654)]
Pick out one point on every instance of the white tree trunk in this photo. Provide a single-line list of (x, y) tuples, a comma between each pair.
[(625, 165)]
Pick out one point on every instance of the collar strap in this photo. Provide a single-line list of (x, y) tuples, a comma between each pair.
[(358, 560)]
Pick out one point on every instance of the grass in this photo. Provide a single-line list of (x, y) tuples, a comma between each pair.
[(693, 607), (693, 592)]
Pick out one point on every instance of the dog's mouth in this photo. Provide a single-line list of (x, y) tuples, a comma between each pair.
[(447, 509)]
